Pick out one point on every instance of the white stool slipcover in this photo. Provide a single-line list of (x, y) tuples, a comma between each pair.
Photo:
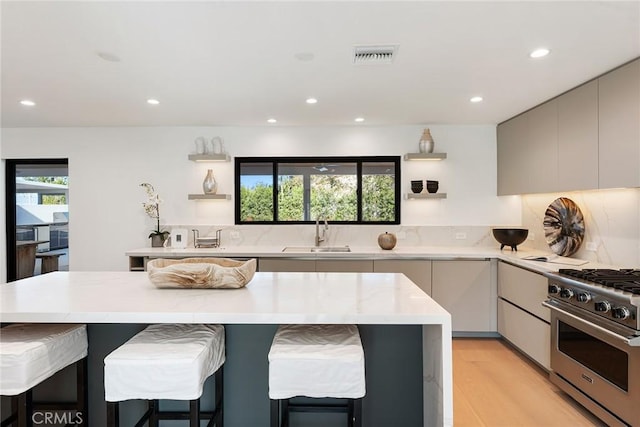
[(316, 361), (31, 353), (166, 361)]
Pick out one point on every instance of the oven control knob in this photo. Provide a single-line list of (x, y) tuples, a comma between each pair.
[(602, 306), (584, 297), (566, 293), (554, 289), (620, 313)]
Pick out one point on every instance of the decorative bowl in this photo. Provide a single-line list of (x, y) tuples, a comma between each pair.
[(510, 237), (432, 186), (201, 273), (416, 186)]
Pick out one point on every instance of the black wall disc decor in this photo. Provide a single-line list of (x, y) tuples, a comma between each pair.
[(563, 226)]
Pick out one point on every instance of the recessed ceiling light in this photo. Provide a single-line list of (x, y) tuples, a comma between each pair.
[(476, 99), (272, 121), (359, 119), (27, 102), (153, 101), (311, 101), (539, 53)]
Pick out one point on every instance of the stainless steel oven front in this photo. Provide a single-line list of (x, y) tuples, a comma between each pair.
[(597, 366)]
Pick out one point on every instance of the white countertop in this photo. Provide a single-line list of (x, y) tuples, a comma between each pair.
[(371, 252), (270, 298)]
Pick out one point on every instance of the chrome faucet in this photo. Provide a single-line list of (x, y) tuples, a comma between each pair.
[(324, 231)]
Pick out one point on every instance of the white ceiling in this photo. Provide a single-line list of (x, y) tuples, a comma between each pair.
[(234, 63)]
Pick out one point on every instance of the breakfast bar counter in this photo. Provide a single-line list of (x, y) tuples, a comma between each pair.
[(372, 300)]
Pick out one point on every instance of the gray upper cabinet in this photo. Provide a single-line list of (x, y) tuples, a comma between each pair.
[(541, 153), (619, 132), (578, 138), (511, 145), (585, 139), (528, 151)]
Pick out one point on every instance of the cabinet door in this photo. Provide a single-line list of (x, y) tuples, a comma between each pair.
[(523, 288), (578, 138), (541, 150), (528, 333), (512, 136), (344, 265), (466, 291), (286, 264), (418, 271), (619, 131)]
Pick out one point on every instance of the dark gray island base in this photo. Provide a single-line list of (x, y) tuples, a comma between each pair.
[(393, 357)]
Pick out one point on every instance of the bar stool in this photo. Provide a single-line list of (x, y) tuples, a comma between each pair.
[(317, 361), (30, 354), (166, 361)]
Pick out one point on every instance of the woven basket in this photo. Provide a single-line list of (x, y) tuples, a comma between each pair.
[(216, 273)]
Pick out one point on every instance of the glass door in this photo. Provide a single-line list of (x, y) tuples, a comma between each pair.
[(37, 213)]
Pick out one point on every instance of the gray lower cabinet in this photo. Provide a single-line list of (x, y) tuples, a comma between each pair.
[(522, 319), (287, 264), (466, 290), (345, 265), (312, 265), (417, 270)]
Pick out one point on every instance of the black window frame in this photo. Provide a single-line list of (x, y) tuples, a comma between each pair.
[(358, 160)]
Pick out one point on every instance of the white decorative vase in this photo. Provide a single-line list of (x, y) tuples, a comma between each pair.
[(209, 185), (426, 142)]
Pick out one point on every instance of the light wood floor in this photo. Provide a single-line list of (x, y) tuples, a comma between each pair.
[(494, 385)]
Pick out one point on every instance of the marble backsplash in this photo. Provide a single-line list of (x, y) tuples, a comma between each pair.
[(612, 224), (340, 235), (612, 229)]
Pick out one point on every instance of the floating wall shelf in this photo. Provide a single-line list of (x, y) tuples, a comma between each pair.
[(209, 157), (425, 156), (409, 196), (209, 196)]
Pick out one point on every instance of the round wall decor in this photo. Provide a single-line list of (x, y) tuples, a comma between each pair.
[(563, 226)]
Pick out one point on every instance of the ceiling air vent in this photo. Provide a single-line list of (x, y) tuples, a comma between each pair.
[(374, 54)]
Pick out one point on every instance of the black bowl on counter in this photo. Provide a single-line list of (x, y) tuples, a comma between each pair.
[(510, 237)]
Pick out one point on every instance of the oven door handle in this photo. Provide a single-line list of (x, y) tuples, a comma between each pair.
[(633, 342)]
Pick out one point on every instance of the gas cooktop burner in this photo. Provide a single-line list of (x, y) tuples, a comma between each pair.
[(627, 280)]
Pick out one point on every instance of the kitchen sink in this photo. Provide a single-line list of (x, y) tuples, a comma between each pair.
[(317, 249)]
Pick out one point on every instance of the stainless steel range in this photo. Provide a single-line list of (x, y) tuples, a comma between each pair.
[(595, 340)]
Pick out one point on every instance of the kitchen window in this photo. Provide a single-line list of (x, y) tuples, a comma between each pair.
[(298, 190)]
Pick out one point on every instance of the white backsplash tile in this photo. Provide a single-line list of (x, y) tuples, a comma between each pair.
[(353, 235), (612, 223)]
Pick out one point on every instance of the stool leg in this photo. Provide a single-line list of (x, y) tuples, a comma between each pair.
[(194, 413), (113, 414), (275, 413), (219, 418), (357, 412), (154, 408), (285, 412), (25, 409), (82, 390)]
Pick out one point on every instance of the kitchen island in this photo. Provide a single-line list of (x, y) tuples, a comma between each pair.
[(385, 305)]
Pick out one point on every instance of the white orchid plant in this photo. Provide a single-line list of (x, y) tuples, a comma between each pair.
[(152, 208)]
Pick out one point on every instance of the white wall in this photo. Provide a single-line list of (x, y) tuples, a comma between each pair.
[(106, 166)]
